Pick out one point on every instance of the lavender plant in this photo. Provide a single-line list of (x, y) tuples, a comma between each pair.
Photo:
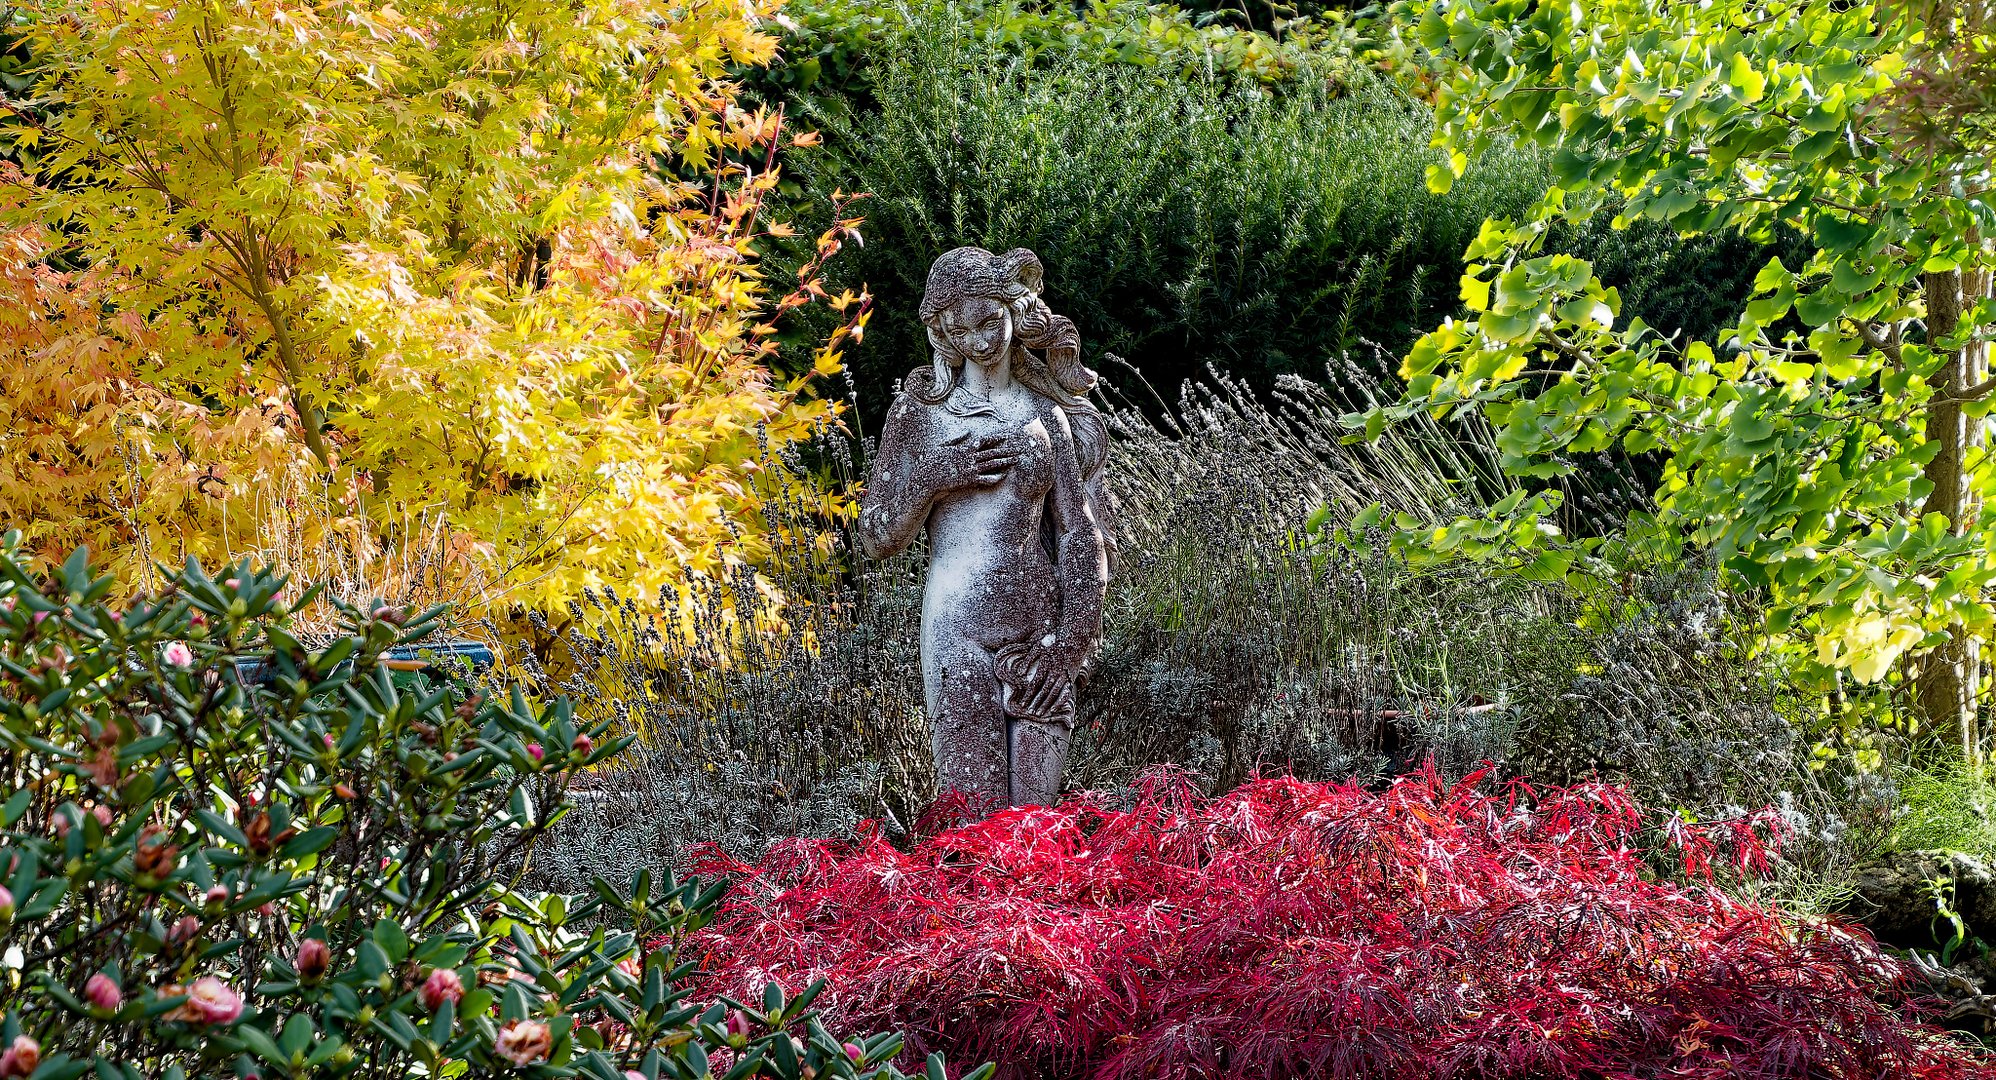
[(781, 699), (1246, 635), (1243, 639)]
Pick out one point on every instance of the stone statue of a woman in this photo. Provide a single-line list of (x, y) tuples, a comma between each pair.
[(993, 448)]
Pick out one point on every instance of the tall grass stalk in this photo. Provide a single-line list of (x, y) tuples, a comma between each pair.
[(327, 539), (1946, 805)]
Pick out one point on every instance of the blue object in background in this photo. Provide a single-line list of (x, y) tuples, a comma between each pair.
[(477, 654)]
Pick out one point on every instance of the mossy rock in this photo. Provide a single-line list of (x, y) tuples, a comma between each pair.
[(1899, 896)]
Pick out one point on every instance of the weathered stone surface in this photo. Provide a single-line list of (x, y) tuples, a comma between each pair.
[(1896, 897), (1897, 900), (995, 450)]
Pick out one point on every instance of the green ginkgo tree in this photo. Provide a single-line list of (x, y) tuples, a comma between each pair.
[(1828, 446)]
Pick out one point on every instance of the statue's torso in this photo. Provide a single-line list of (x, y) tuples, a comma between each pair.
[(991, 578)]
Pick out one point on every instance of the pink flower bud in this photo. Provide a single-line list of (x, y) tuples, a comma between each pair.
[(584, 745), (177, 654), (534, 751), (633, 1074), (103, 994), (103, 815), (197, 619), (20, 1058), (183, 930), (738, 1029), (442, 985), (266, 909), (210, 1001), (155, 857), (328, 737), (523, 1042), (6, 905), (854, 1052), (216, 896), (232, 583), (313, 959)]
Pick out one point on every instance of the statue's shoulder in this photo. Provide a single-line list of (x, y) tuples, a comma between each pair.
[(917, 386), (911, 409)]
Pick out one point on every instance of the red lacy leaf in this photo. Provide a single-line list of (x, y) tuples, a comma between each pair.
[(1294, 929)]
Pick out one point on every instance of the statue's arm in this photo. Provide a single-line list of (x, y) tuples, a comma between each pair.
[(895, 504), (1080, 550)]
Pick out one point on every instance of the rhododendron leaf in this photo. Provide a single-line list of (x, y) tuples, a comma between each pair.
[(394, 942), (371, 960), (15, 806), (221, 827), (804, 998), (260, 1044), (441, 1022), (695, 1057), (335, 654), (297, 1035), (654, 988), (514, 1002), (752, 1061), (326, 1050), (61, 1067)]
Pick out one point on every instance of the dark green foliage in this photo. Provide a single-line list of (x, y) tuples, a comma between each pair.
[(1183, 222), (1696, 284), (836, 47)]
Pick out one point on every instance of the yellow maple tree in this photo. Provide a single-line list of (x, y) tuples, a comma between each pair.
[(344, 264)]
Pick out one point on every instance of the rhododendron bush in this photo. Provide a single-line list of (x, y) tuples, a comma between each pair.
[(204, 873), (1293, 929)]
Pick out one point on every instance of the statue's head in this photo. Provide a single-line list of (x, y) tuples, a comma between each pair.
[(979, 305), (974, 299)]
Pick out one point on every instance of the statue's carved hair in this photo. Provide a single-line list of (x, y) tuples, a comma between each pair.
[(1047, 353)]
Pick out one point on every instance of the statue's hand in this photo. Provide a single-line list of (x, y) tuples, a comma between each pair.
[(1039, 680), (978, 462)]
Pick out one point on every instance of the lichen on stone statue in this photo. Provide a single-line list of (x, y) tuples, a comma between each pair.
[(994, 448)]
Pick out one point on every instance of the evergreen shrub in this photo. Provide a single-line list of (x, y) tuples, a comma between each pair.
[(226, 854)]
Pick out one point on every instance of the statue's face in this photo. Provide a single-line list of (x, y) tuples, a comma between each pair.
[(978, 328)]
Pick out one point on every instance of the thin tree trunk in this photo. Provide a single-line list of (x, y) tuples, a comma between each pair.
[(1949, 675)]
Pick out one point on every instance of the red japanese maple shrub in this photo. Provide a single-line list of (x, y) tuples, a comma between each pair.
[(1294, 929)]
